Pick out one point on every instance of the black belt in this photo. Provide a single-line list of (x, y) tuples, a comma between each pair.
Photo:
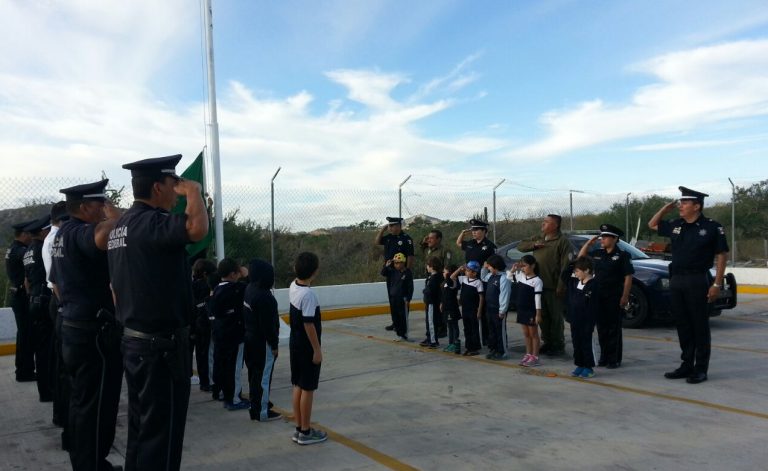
[(84, 325), (168, 334)]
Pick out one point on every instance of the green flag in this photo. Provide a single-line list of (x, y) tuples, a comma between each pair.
[(195, 172)]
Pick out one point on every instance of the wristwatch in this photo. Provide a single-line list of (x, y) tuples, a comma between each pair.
[(716, 285)]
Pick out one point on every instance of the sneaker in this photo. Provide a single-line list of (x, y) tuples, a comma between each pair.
[(472, 353), (271, 415), (397, 339), (295, 436), (390, 327), (194, 380), (314, 436), (424, 343), (525, 359), (587, 373), (577, 372), (532, 361), (490, 355), (498, 356), (242, 405), (450, 348), (434, 345)]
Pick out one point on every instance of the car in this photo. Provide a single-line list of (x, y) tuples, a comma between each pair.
[(649, 297)]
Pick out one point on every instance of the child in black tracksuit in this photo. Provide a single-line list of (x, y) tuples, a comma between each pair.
[(583, 306), (432, 296), (226, 306), (471, 297), (449, 306), (400, 282), (262, 326)]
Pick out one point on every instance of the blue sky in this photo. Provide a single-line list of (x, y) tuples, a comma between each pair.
[(603, 96)]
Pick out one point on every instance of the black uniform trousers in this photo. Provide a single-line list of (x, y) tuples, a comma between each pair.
[(158, 398), (690, 310), (581, 336), (497, 332), (42, 333), (226, 343), (432, 315), (200, 346), (261, 364), (398, 306), (25, 353), (59, 377), (92, 361), (609, 333), (471, 329)]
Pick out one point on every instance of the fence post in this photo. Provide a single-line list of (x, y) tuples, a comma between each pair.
[(571, 195), (733, 223), (627, 221), (494, 208), (400, 197), (272, 223)]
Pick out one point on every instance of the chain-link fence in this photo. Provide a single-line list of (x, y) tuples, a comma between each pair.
[(340, 224)]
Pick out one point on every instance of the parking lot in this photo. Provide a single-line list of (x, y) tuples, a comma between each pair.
[(398, 406)]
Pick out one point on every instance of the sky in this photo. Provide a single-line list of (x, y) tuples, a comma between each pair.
[(600, 96)]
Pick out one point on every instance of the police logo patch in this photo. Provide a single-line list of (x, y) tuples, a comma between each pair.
[(485, 247), (615, 257), (703, 232), (677, 230), (721, 230), (399, 242)]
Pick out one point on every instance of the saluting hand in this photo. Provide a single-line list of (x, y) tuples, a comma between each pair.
[(110, 210), (186, 187)]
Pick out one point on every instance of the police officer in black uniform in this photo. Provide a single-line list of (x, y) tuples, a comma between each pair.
[(14, 269), (39, 301), (396, 241), (613, 274), (478, 248), (89, 343), (697, 241), (153, 290)]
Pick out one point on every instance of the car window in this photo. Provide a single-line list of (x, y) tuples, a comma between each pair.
[(634, 252), (513, 253)]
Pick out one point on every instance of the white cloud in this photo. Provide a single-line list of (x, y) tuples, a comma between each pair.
[(694, 87)]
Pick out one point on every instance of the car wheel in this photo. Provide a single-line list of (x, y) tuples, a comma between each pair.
[(636, 311)]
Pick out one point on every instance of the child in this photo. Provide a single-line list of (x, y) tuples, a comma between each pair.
[(496, 304), (449, 306), (262, 327), (471, 298), (400, 283), (201, 325), (583, 305), (304, 346), (226, 305), (528, 300), (431, 291)]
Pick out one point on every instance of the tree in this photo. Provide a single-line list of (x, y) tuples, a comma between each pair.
[(752, 209)]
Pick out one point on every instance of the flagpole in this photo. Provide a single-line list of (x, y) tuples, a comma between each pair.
[(214, 126)]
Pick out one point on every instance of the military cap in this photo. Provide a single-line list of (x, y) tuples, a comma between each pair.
[(394, 220), (688, 194), (478, 224), (88, 191), (19, 226), (38, 224), (59, 212), (156, 167), (611, 230)]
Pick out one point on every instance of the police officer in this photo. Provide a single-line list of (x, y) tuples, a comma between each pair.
[(150, 278), (14, 269), (396, 241), (89, 346), (478, 248), (613, 274), (697, 241), (39, 301)]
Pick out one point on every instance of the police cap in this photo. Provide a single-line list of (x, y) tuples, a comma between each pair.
[(59, 212), (478, 224), (394, 220), (19, 226), (88, 191), (611, 230), (38, 224), (688, 194), (157, 167)]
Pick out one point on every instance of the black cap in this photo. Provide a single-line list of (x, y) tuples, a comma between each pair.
[(38, 224), (157, 167), (394, 220), (59, 212), (611, 230), (20, 226), (688, 194), (478, 224), (88, 191)]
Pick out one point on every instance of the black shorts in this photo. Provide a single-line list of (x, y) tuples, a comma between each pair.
[(304, 373), (526, 318)]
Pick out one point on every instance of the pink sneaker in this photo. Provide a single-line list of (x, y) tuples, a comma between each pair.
[(532, 361), (525, 359)]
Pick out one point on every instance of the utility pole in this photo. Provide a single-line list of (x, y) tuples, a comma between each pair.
[(400, 197)]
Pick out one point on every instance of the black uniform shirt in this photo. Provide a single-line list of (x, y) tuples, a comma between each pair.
[(149, 269), (478, 251), (79, 270), (610, 270), (694, 245), (401, 243), (34, 269), (14, 263)]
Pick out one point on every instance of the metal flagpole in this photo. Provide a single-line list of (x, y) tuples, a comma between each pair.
[(214, 129)]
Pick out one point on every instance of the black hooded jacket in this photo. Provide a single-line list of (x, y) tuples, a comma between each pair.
[(261, 318)]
